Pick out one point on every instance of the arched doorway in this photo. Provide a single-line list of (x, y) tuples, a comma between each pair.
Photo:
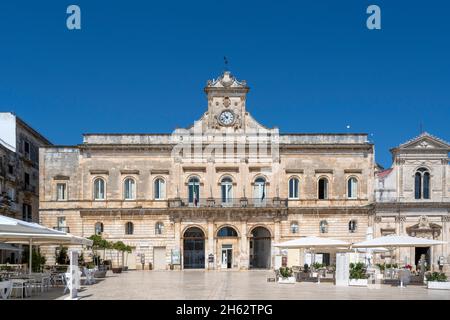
[(260, 248), (194, 248), (227, 246)]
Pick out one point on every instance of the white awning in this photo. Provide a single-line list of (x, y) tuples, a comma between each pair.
[(397, 241), (9, 247), (313, 242), (21, 232)]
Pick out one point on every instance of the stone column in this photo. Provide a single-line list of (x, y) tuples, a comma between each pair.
[(276, 239), (445, 247), (211, 244), (399, 222), (243, 248), (177, 236)]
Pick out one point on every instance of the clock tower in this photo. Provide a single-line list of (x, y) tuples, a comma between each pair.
[(226, 102)]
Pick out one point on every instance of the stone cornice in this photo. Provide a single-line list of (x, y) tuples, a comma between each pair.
[(412, 205)]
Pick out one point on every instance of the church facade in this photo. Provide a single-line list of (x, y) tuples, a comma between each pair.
[(413, 198), (222, 192)]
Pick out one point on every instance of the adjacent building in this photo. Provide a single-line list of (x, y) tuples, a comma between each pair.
[(413, 198), (19, 171)]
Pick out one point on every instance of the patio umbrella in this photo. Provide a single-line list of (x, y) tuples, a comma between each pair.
[(374, 250), (21, 232), (312, 243), (396, 241)]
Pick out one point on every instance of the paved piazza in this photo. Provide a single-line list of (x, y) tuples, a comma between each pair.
[(223, 285)]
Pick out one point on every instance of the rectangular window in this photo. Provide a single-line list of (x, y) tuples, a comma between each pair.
[(26, 149), (61, 222), (27, 179), (12, 194), (27, 214), (10, 169), (61, 191)]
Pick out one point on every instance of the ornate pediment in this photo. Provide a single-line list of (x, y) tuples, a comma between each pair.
[(424, 229), (226, 80), (425, 141)]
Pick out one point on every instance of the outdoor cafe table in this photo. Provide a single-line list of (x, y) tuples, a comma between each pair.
[(24, 282)]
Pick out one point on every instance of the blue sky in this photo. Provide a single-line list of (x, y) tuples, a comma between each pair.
[(313, 66)]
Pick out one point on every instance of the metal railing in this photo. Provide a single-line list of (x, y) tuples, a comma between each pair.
[(228, 203), (63, 229), (29, 188)]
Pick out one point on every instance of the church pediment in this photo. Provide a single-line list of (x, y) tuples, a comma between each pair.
[(425, 141)]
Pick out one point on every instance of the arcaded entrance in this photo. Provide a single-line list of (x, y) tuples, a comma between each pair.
[(194, 248), (260, 248)]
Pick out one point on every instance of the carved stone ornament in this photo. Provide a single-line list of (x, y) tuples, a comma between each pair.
[(425, 229), (226, 102), (423, 144)]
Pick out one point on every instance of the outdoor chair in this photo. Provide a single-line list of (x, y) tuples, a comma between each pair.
[(89, 276), (277, 274), (67, 280), (22, 286), (5, 289), (404, 277)]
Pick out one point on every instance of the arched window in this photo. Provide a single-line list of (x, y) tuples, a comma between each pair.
[(226, 186), (422, 184), (194, 191), (294, 227), (159, 227), (99, 189), (129, 228), (259, 191), (98, 228), (293, 188), (352, 226), (129, 189), (323, 226), (352, 188), (227, 232), (323, 188), (160, 189)]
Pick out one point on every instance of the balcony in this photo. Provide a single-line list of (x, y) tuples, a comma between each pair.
[(29, 188), (7, 204), (63, 229), (228, 203)]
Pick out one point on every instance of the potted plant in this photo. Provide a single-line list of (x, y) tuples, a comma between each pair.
[(437, 280), (119, 246), (358, 275), (126, 249), (286, 275), (305, 268)]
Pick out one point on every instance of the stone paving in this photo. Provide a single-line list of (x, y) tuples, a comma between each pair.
[(224, 285)]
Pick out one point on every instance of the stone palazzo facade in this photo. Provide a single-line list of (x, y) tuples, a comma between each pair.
[(222, 192)]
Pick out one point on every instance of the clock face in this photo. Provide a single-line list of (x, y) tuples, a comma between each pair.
[(226, 118)]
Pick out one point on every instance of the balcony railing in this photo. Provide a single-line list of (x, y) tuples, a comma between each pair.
[(29, 188), (63, 229), (228, 203)]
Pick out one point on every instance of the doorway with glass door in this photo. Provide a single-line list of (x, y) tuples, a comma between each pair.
[(227, 256)]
